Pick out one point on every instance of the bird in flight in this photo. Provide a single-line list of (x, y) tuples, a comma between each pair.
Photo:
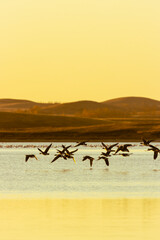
[(106, 154), (123, 148), (59, 155), (109, 147), (70, 153), (65, 148), (65, 154), (105, 159), (30, 156), (155, 150), (90, 159), (46, 150), (81, 144), (146, 142)]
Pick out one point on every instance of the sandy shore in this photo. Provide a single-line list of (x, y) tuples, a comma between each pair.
[(37, 219)]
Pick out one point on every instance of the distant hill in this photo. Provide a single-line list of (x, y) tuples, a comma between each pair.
[(73, 108), (134, 104), (18, 105), (123, 119), (119, 107)]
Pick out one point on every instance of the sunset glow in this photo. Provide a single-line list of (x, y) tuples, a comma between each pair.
[(73, 50)]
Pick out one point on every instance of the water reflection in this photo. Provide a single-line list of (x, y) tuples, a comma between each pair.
[(80, 219)]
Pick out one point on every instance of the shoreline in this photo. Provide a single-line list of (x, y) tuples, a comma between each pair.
[(27, 140)]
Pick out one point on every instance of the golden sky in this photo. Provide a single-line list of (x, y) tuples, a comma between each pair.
[(69, 50)]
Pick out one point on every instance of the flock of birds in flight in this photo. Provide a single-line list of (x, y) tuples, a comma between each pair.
[(121, 150)]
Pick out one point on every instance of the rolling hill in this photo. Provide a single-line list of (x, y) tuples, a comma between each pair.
[(118, 119), (119, 107), (13, 105), (73, 108), (134, 104)]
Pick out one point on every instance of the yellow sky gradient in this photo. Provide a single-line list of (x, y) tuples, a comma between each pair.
[(69, 50)]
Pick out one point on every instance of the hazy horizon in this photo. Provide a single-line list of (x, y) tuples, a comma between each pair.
[(94, 100)]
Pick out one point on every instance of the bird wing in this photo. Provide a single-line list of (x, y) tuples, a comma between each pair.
[(113, 145), (78, 144), (91, 162), (155, 154), (67, 152), (125, 150), (60, 152), (47, 149), (65, 148), (104, 145), (40, 150), (118, 149), (35, 157), (127, 145), (144, 141), (103, 154), (153, 147), (85, 158), (106, 161), (68, 146), (101, 157), (27, 157), (56, 157), (107, 154), (74, 151)]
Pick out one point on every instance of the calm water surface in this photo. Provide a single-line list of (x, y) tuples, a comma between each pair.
[(135, 176), (64, 200)]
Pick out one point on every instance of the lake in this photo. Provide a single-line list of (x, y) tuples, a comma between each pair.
[(135, 176), (63, 200)]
